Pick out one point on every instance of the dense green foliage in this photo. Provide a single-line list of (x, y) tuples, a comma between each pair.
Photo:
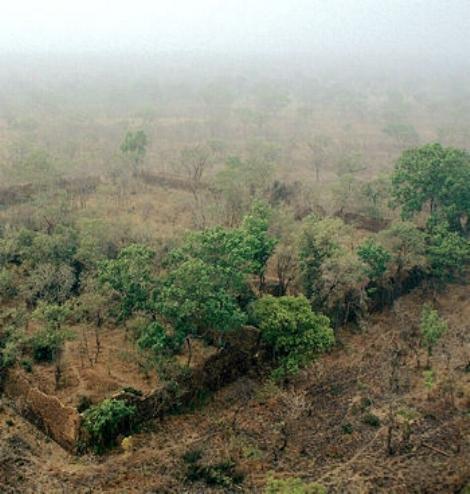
[(376, 258), (207, 283), (435, 178), (295, 333), (195, 297), (130, 275), (103, 422), (448, 253)]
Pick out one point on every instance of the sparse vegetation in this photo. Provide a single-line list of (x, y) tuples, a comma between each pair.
[(249, 262)]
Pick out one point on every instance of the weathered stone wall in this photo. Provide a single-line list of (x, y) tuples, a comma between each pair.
[(60, 422), (241, 352)]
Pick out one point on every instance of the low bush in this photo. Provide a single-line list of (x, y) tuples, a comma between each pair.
[(371, 419), (223, 474), (7, 285), (27, 365), (45, 345), (292, 485), (105, 421), (84, 403)]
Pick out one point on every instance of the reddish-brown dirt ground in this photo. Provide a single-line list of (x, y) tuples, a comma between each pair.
[(318, 427), (118, 365)]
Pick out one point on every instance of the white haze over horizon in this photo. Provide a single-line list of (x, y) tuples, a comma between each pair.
[(426, 29)]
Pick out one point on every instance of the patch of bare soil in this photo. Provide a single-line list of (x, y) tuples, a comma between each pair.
[(95, 374), (360, 420)]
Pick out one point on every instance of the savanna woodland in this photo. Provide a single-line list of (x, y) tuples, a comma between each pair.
[(219, 276)]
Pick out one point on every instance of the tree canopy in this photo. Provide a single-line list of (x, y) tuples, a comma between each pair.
[(292, 329), (435, 179)]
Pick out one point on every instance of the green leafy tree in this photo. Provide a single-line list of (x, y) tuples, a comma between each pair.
[(218, 246), (54, 315), (57, 247), (407, 245), (319, 239), (98, 240), (12, 343), (239, 252), (432, 327), (134, 147), (155, 337), (447, 253), (376, 258), (47, 344), (196, 298), (341, 292), (131, 276), (436, 179), (258, 244), (295, 333)]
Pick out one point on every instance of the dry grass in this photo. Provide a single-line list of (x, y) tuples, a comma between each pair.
[(313, 429)]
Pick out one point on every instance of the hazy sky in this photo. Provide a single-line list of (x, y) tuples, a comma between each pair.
[(427, 27)]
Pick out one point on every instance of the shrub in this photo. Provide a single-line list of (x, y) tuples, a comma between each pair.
[(84, 403), (154, 337), (432, 327), (10, 350), (105, 421), (45, 345), (7, 285), (292, 329), (436, 179), (407, 245), (375, 257), (347, 428), (131, 276), (319, 240), (371, 419), (292, 485), (447, 252), (50, 282), (223, 474), (27, 365)]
